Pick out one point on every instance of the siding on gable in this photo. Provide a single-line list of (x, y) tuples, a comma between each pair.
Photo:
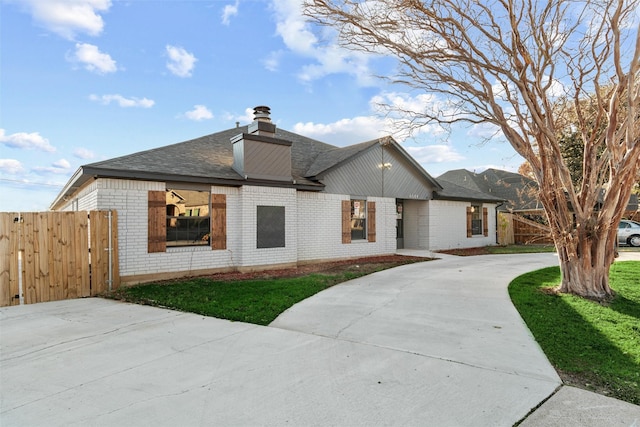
[(365, 175)]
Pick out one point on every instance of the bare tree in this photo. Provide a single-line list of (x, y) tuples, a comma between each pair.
[(518, 65)]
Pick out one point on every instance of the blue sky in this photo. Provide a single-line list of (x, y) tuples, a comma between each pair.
[(88, 80)]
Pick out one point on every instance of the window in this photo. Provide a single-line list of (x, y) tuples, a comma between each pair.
[(476, 220), (270, 227), (358, 219), (187, 221), (170, 225)]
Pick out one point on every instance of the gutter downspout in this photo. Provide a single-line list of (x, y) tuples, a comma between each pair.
[(497, 224)]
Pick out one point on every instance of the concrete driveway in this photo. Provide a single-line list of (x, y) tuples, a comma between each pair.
[(436, 343)]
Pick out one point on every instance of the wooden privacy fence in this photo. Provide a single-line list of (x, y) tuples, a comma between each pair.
[(49, 256), (515, 229)]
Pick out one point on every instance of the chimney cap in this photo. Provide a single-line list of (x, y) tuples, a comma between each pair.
[(262, 113)]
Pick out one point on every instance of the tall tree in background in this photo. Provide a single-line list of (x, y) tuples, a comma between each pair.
[(518, 65)]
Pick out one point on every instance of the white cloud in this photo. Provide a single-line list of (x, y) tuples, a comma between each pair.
[(272, 61), (199, 112), (83, 153), (296, 34), (345, 131), (180, 62), (61, 166), (11, 166), (436, 153), (391, 114), (247, 117), (485, 131), (68, 17), (122, 101), (228, 11), (556, 88), (93, 60), (27, 141)]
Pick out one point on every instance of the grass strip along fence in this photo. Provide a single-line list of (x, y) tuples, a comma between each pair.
[(592, 345)]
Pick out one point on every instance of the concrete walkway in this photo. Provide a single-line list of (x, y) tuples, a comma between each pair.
[(437, 343)]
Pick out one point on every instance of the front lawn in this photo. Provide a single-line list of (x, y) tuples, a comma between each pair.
[(592, 345), (255, 297)]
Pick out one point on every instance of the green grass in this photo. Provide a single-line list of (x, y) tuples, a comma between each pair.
[(520, 249), (253, 301), (592, 345)]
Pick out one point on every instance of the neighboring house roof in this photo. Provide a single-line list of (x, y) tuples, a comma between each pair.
[(451, 191), (519, 192)]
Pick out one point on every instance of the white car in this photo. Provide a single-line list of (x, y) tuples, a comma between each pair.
[(629, 233)]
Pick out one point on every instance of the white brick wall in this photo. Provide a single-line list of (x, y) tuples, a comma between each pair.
[(313, 227), (320, 228), (447, 230), (129, 198), (249, 199)]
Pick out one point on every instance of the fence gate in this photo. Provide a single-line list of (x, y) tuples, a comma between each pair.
[(515, 229), (49, 256)]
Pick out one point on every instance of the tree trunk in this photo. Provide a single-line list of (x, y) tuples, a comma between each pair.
[(585, 266)]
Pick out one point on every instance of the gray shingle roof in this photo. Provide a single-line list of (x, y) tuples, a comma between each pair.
[(451, 191), (209, 160), (519, 192), (208, 157)]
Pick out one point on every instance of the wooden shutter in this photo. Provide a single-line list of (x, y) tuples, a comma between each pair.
[(346, 221), (485, 222), (157, 204), (469, 219), (218, 221), (371, 221)]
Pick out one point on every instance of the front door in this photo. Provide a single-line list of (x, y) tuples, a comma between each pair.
[(399, 225)]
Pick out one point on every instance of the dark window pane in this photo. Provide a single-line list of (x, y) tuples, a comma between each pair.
[(271, 227), (358, 220)]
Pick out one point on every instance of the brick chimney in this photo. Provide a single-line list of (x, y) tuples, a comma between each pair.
[(258, 154)]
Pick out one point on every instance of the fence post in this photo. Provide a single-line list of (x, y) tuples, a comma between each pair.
[(110, 249)]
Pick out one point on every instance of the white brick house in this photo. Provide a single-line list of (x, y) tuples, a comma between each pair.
[(257, 197)]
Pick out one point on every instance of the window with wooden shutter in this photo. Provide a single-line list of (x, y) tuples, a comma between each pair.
[(218, 221), (371, 221), (346, 221), (157, 224), (485, 222), (469, 221)]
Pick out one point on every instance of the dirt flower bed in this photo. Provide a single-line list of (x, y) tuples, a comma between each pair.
[(467, 251), (367, 265)]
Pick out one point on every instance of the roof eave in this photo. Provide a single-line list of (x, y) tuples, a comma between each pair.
[(77, 180), (85, 173), (437, 196)]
